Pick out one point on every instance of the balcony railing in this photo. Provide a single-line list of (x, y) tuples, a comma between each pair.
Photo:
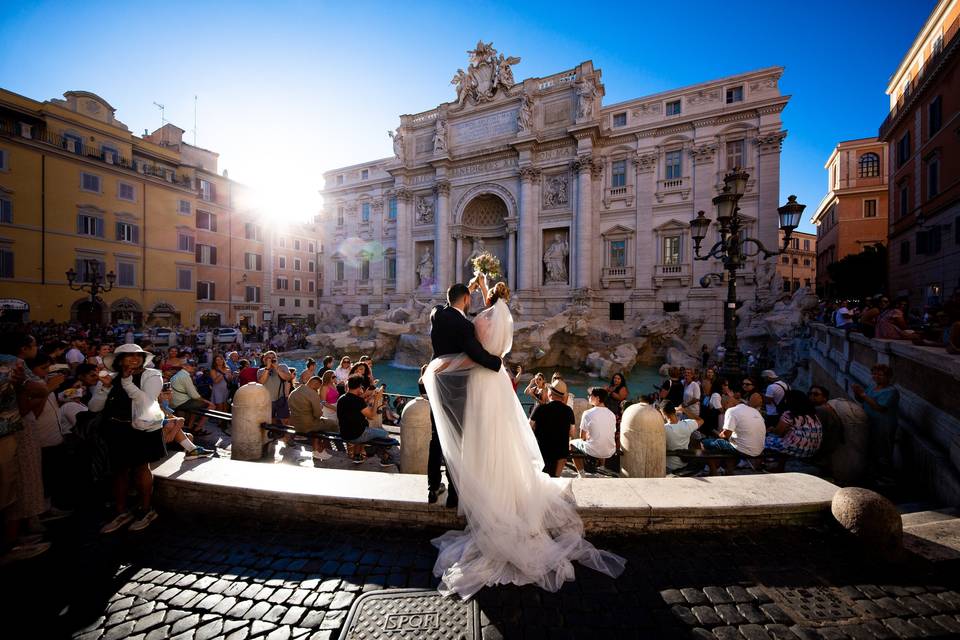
[(622, 192), (93, 152), (618, 275), (673, 185), (678, 273), (916, 83)]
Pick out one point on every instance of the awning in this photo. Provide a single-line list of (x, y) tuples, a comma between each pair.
[(13, 304)]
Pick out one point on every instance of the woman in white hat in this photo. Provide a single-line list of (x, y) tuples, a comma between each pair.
[(131, 424)]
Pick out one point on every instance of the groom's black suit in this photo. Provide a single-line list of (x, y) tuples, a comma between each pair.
[(451, 332)]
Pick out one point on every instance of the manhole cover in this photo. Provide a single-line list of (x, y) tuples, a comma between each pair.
[(815, 604), (423, 614)]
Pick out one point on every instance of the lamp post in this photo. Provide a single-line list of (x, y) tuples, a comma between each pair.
[(92, 283), (733, 249)]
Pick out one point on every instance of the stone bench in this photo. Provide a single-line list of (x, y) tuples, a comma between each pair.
[(257, 491)]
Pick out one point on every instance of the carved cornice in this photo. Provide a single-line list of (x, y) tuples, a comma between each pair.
[(703, 153), (770, 142), (404, 195), (582, 164), (442, 188), (645, 162), (529, 174)]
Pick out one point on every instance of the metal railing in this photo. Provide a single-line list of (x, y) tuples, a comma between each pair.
[(916, 83), (95, 152)]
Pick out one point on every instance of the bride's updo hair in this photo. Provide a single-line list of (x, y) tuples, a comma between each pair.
[(500, 292)]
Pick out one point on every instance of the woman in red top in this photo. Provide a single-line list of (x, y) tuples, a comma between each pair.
[(247, 373)]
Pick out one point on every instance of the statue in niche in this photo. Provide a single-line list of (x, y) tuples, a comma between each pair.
[(440, 136), (424, 211), (555, 194), (525, 115), (555, 260), (425, 268), (397, 138), (586, 92), (478, 248)]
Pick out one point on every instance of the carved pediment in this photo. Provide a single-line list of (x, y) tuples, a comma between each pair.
[(617, 231), (672, 225)]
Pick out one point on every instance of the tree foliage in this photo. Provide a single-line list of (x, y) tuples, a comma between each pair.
[(860, 275)]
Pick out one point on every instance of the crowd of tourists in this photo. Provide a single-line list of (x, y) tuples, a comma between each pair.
[(84, 413), (886, 318), (750, 418)]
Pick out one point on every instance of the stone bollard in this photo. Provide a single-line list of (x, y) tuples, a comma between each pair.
[(251, 408), (871, 518), (849, 460), (644, 443), (415, 436), (579, 406)]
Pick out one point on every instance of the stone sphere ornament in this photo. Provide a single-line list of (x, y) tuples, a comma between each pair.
[(870, 518)]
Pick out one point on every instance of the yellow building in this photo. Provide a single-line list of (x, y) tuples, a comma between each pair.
[(79, 191)]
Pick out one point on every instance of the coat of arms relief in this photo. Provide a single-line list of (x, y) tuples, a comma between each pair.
[(487, 72)]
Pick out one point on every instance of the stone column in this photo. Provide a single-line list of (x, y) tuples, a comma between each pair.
[(527, 266), (251, 408), (415, 436), (443, 257), (405, 257), (583, 244), (644, 443), (458, 266), (512, 258)]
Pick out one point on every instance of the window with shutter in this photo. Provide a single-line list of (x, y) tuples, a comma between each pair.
[(125, 274), (6, 263), (213, 255), (6, 211), (184, 279)]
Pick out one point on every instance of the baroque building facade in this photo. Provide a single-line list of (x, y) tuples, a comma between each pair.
[(584, 203), (79, 190)]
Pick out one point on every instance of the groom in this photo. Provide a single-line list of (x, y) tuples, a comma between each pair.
[(451, 332)]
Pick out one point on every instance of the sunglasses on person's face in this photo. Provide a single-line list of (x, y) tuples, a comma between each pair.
[(747, 384)]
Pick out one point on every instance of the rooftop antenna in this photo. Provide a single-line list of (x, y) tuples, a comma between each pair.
[(194, 120), (163, 120)]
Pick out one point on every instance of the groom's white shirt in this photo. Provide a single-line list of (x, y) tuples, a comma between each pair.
[(461, 312)]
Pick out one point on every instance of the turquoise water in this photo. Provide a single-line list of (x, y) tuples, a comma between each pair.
[(403, 381)]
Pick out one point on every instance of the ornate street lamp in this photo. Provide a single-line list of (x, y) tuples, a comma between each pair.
[(92, 283), (733, 249)]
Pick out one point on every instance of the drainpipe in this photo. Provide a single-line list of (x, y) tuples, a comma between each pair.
[(43, 218)]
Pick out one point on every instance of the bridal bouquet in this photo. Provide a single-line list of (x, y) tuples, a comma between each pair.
[(488, 265)]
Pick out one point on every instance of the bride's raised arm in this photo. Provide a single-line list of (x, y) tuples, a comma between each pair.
[(481, 281)]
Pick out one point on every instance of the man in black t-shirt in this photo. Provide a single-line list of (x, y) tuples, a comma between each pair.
[(672, 390), (552, 425), (353, 412)]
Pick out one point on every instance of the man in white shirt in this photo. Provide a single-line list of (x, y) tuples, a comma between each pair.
[(678, 434), (842, 315), (76, 354), (598, 430), (776, 389), (743, 430)]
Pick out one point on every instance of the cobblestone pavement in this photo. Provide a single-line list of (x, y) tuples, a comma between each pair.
[(192, 580)]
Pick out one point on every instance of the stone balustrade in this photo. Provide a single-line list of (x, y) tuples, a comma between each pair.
[(259, 492), (928, 379)]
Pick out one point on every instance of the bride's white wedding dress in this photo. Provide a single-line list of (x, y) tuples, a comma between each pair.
[(522, 525)]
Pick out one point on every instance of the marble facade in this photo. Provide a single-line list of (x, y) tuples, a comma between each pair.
[(585, 203)]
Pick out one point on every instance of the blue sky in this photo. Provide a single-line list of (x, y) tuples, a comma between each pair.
[(287, 90)]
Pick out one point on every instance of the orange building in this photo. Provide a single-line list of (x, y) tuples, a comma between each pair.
[(924, 152), (853, 214)]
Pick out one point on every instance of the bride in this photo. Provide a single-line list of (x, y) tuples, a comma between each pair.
[(522, 525)]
